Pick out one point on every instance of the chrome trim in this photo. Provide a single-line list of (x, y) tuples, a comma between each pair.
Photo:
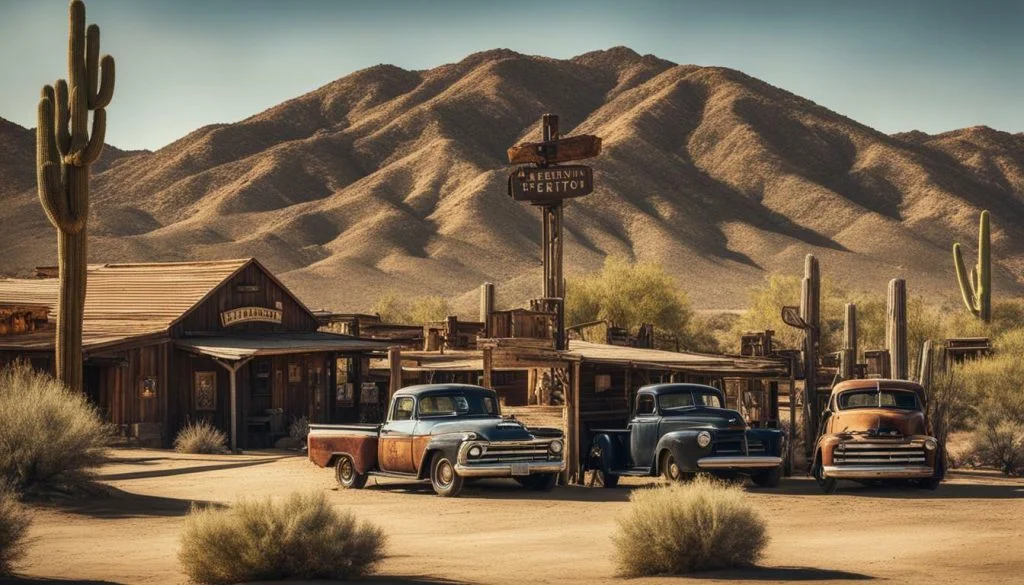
[(505, 469), (739, 462), (877, 471)]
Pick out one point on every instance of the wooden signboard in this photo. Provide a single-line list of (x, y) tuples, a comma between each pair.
[(555, 151), (551, 184), (250, 315)]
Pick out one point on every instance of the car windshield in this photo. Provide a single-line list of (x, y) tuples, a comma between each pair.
[(688, 399), (879, 398), (457, 404)]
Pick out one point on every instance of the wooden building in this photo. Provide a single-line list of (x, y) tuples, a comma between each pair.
[(223, 341)]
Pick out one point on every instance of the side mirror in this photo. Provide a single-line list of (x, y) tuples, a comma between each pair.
[(826, 413)]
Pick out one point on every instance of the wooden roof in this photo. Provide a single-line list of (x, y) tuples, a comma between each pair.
[(123, 301), (246, 346)]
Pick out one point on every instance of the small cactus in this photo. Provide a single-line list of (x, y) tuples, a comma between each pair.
[(977, 291), (65, 149)]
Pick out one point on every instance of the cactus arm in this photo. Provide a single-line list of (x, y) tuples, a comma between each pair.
[(983, 288), (961, 276), (63, 116), (106, 90), (78, 78), (96, 138), (92, 63), (51, 192)]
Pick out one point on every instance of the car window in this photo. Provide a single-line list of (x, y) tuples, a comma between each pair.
[(644, 404), (873, 398), (469, 404), (709, 399), (403, 408), (676, 400)]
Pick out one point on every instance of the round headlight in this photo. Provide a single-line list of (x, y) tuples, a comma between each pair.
[(555, 447), (475, 451), (703, 439), (930, 444)]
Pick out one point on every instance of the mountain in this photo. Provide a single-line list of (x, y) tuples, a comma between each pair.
[(388, 179)]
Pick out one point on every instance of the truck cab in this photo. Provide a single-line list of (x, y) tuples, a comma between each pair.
[(679, 430), (444, 433)]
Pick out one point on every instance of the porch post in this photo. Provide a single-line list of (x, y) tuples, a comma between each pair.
[(395, 364), (232, 369), (488, 367)]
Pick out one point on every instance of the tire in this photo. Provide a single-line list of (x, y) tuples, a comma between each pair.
[(769, 479), (443, 478), (827, 485), (346, 474), (670, 469), (608, 480)]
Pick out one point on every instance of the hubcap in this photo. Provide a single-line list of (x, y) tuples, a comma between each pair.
[(346, 470), (673, 469), (445, 473)]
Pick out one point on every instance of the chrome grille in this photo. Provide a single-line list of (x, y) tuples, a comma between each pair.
[(730, 443), (879, 454), (508, 452)]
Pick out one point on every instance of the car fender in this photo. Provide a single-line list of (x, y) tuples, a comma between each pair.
[(447, 443), (683, 446), (772, 439), (603, 453)]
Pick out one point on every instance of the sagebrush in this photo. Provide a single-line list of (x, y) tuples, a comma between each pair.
[(201, 437), (51, 437), (682, 528), (299, 429), (302, 537), (14, 524)]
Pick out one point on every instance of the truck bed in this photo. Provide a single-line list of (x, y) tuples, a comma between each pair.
[(357, 440)]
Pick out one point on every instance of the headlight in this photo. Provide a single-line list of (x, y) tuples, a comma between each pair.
[(556, 447), (703, 439), (930, 444), (475, 451)]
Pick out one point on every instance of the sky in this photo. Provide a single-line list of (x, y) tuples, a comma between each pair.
[(894, 65)]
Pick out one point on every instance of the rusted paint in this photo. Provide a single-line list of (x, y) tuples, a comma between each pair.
[(361, 446), (419, 445), (395, 454)]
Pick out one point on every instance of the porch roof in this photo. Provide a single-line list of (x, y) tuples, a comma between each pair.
[(245, 346)]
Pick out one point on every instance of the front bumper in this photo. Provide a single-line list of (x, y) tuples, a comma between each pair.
[(517, 469), (739, 462), (878, 471)]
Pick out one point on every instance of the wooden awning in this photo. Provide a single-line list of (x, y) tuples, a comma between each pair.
[(240, 347)]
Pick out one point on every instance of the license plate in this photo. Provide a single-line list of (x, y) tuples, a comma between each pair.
[(520, 469)]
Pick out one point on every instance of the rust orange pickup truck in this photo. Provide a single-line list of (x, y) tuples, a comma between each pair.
[(877, 430), (444, 433)]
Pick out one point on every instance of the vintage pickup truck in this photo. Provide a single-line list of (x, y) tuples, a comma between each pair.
[(441, 432), (679, 430), (877, 430)]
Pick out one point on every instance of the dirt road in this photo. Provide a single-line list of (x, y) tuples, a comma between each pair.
[(969, 531)]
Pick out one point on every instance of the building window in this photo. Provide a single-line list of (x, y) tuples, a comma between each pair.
[(343, 380), (261, 377), (204, 390)]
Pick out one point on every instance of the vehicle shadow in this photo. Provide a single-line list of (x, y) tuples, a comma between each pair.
[(782, 574), (991, 490), (506, 489), (26, 580), (118, 504)]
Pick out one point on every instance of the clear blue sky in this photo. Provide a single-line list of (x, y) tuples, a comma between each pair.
[(894, 65)]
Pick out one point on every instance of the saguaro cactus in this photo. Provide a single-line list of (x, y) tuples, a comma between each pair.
[(896, 328), (977, 291), (849, 355), (810, 304), (64, 151)]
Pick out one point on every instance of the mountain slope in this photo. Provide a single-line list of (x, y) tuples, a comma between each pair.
[(393, 179)]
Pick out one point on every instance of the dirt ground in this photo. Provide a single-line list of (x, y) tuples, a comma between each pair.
[(969, 531)]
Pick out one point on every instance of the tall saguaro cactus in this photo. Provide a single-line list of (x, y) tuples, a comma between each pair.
[(977, 291), (65, 149), (896, 328)]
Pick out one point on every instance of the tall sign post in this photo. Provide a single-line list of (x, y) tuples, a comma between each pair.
[(547, 185)]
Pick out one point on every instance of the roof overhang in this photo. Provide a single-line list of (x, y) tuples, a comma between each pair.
[(233, 348)]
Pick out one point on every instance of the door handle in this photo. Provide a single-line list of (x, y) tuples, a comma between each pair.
[(385, 432)]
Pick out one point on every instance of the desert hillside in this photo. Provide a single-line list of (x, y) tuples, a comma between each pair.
[(394, 179)]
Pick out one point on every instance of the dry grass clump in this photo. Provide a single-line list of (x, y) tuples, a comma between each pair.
[(201, 437), (682, 528), (14, 523), (300, 538), (50, 437)]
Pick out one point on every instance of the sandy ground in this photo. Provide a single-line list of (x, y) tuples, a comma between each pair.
[(969, 531)]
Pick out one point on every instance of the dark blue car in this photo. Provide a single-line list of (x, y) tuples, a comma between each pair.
[(680, 430)]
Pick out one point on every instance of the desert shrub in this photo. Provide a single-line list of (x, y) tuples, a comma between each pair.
[(201, 437), (50, 437), (765, 311), (14, 523), (998, 442), (299, 429), (682, 528), (300, 538), (392, 309), (949, 403)]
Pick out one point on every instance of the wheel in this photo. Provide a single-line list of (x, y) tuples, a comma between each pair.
[(671, 470), (931, 483), (608, 480), (446, 482), (346, 474), (827, 484), (770, 478), (542, 482)]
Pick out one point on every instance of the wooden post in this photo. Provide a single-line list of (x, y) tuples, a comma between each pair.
[(486, 306), (395, 365), (848, 364), (571, 414), (896, 328), (810, 290), (488, 365), (232, 369)]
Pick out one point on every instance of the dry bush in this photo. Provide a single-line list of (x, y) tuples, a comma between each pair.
[(998, 443), (392, 309), (682, 528), (201, 437), (299, 429), (14, 523), (300, 538), (50, 436)]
